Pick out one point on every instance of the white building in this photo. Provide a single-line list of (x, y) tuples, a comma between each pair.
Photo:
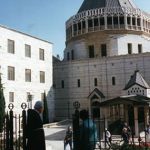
[(106, 41), (26, 67)]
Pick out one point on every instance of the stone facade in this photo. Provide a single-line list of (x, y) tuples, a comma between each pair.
[(106, 41), (103, 69), (18, 89)]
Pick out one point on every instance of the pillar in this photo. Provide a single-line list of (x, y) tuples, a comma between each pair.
[(136, 125), (146, 114)]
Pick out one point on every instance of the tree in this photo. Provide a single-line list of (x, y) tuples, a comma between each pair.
[(45, 112), (2, 105)]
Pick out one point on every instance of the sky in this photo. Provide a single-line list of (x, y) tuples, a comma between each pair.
[(45, 19)]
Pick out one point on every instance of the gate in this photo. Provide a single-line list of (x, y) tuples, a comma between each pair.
[(13, 136)]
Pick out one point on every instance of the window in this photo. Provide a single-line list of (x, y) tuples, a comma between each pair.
[(68, 56), (129, 48), (41, 54), (91, 51), (11, 96), (62, 84), (103, 50), (28, 75), (139, 48), (27, 50), (28, 96), (42, 77), (78, 82), (72, 54), (113, 81), (95, 81), (11, 73), (11, 46)]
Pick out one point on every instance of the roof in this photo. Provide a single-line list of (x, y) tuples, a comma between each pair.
[(129, 99), (5, 27), (93, 4), (98, 92), (137, 79)]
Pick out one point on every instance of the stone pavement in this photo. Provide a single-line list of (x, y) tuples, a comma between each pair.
[(54, 137)]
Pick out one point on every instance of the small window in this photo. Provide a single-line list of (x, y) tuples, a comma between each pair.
[(78, 82), (62, 84), (103, 50), (41, 54), (28, 75), (11, 46), (11, 96), (91, 51), (129, 48), (68, 56), (113, 81), (11, 73), (42, 77), (95, 81), (28, 96), (72, 54), (139, 48), (27, 50)]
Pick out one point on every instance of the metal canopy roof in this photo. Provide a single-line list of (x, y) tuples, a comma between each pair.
[(130, 99)]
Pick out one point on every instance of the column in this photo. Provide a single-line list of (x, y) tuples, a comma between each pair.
[(146, 114), (106, 117), (136, 121), (105, 21), (125, 21), (72, 30)]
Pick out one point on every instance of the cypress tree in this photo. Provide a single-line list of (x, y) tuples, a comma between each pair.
[(2, 105), (45, 112)]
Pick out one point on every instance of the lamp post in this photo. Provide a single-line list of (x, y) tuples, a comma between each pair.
[(76, 128), (68, 104)]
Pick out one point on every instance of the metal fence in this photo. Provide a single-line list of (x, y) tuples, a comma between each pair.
[(13, 136), (117, 142)]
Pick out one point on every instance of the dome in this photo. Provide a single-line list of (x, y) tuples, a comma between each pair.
[(93, 4)]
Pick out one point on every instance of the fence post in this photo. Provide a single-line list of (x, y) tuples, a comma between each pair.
[(76, 129), (7, 131), (11, 106), (24, 106)]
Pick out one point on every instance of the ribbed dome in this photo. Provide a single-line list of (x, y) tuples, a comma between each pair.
[(93, 4)]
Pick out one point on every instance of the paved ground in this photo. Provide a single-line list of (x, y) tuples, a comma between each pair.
[(54, 137)]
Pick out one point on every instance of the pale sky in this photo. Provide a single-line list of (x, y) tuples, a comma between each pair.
[(45, 18)]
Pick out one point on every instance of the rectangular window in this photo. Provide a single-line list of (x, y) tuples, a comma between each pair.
[(129, 48), (62, 84), (72, 54), (28, 75), (11, 73), (91, 51), (28, 96), (140, 48), (113, 81), (11, 46), (78, 82), (41, 54), (11, 96), (27, 50), (68, 56), (95, 81), (103, 50), (42, 77)]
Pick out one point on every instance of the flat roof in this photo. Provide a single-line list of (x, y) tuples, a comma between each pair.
[(2, 26)]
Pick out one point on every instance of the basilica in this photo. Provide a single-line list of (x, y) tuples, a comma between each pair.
[(106, 63)]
